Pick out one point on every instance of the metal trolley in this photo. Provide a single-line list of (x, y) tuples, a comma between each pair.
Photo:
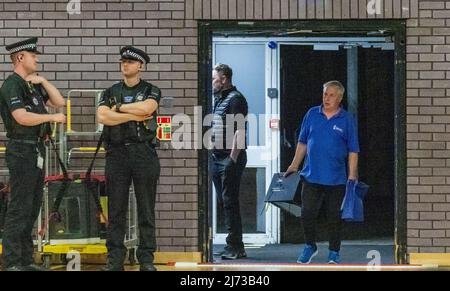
[(86, 246)]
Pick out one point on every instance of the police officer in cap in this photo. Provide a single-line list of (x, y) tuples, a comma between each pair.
[(23, 99), (127, 112)]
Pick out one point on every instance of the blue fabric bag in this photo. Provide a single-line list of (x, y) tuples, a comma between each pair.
[(353, 207)]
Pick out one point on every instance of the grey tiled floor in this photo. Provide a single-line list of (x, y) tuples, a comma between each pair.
[(352, 252)]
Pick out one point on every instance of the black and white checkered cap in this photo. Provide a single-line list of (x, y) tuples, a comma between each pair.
[(132, 53), (29, 45)]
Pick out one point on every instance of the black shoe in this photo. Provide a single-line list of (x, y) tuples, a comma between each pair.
[(149, 267), (219, 253), (113, 268), (35, 268), (15, 269), (234, 254)]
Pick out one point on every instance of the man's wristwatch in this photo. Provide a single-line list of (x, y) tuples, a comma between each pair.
[(118, 107)]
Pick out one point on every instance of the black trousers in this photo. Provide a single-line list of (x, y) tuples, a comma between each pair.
[(27, 187), (227, 179), (314, 196), (137, 164)]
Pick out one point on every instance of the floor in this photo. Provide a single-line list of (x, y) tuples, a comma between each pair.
[(266, 267), (356, 255), (283, 257), (352, 252)]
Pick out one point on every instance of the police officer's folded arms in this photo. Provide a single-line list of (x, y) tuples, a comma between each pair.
[(127, 110)]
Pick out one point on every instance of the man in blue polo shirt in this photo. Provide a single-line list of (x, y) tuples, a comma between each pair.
[(328, 141)]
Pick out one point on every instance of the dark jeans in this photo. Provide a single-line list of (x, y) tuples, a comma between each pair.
[(27, 187), (227, 179), (313, 197), (137, 163)]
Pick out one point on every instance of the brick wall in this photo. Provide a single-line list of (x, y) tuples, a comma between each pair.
[(80, 51), (428, 128)]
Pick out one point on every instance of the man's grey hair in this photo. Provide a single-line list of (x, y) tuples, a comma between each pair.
[(338, 85), (225, 70)]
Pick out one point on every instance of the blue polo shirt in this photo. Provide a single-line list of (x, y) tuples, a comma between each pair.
[(328, 143)]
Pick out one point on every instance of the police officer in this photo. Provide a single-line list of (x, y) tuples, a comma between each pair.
[(23, 99), (229, 156), (127, 111)]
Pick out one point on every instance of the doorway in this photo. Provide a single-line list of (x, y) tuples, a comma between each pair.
[(283, 227)]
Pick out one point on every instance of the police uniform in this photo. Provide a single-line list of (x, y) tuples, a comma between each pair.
[(24, 158), (131, 157)]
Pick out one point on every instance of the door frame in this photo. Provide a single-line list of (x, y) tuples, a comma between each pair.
[(272, 65), (305, 28)]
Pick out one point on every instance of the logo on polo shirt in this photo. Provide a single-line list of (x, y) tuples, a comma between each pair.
[(335, 127), (140, 97), (128, 99)]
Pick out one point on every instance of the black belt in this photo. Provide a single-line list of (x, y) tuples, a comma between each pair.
[(220, 156), (131, 143), (25, 141)]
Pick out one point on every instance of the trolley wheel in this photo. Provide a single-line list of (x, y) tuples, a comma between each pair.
[(132, 256), (46, 260)]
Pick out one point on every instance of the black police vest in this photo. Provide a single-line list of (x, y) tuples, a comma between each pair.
[(33, 101), (219, 124), (132, 131)]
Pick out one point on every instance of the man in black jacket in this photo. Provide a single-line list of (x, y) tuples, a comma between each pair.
[(229, 156)]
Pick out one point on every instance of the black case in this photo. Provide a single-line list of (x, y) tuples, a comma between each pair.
[(285, 193)]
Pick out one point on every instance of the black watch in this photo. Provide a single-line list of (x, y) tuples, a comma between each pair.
[(118, 107)]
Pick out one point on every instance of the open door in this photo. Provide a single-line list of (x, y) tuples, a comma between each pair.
[(303, 70), (250, 60)]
